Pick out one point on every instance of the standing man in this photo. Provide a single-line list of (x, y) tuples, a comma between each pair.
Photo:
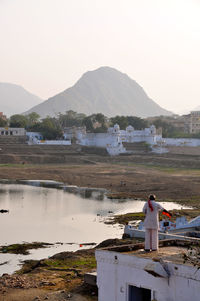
[(151, 223)]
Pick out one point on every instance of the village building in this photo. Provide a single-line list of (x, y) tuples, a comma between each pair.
[(2, 116), (128, 273), (37, 138), (74, 132), (194, 122), (148, 135), (189, 123), (114, 138), (7, 131), (110, 140)]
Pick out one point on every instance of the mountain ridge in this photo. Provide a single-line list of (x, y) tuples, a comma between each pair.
[(14, 99), (104, 90)]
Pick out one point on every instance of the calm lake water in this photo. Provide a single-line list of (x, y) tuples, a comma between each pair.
[(53, 215)]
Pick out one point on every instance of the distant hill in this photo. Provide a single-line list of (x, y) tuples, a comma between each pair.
[(105, 90), (15, 99)]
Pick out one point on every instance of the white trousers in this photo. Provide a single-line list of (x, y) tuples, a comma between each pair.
[(151, 239)]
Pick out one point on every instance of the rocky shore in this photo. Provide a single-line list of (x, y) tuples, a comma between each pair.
[(59, 277)]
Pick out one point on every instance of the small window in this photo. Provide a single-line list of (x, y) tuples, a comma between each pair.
[(2, 132), (11, 132), (138, 294), (6, 132)]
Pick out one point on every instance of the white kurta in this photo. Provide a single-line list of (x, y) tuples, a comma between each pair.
[(151, 224), (151, 219)]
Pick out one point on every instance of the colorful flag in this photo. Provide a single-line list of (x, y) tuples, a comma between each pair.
[(167, 213)]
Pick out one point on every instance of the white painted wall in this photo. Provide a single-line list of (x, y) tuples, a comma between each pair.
[(182, 142), (147, 135), (7, 131), (36, 138), (111, 141), (54, 142), (99, 139), (32, 135), (116, 271)]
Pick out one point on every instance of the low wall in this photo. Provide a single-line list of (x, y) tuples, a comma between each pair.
[(182, 142), (141, 234), (53, 142)]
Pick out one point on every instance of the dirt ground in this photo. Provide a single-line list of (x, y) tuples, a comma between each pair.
[(134, 180), (171, 177)]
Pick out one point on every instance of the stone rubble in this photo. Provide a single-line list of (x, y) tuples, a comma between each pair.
[(16, 281)]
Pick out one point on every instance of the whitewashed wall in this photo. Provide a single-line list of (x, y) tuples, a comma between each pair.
[(36, 138), (116, 271), (147, 135), (99, 139), (182, 141), (54, 142), (7, 131), (32, 135), (111, 141)]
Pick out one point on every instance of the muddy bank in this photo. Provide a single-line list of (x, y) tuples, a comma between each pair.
[(139, 216), (129, 179), (59, 277)]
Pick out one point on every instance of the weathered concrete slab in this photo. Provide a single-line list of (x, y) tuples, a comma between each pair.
[(91, 278)]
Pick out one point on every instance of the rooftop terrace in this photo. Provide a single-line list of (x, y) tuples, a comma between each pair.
[(169, 251)]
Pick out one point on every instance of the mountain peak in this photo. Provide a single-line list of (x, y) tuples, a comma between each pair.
[(14, 99), (104, 90)]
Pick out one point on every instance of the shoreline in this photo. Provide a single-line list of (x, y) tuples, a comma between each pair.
[(121, 181)]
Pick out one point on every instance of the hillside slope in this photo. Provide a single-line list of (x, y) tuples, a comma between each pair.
[(15, 99), (104, 90)]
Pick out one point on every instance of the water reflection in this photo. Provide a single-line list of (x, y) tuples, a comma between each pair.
[(54, 215)]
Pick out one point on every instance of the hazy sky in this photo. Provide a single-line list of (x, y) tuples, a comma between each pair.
[(46, 45)]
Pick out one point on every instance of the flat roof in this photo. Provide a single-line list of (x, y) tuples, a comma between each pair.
[(169, 253), (169, 250)]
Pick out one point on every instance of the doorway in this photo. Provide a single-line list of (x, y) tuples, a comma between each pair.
[(138, 294)]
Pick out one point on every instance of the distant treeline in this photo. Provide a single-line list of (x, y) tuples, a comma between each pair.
[(52, 127)]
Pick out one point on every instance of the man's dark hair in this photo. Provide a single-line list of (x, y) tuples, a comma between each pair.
[(152, 197)]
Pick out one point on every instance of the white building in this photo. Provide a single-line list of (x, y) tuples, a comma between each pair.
[(36, 138), (7, 131), (127, 273), (148, 135), (110, 140), (192, 142), (194, 122), (73, 132), (114, 138)]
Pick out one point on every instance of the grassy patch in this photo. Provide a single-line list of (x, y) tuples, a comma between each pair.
[(124, 218), (23, 248), (86, 262)]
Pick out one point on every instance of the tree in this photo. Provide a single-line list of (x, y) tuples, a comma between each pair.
[(137, 122), (87, 121), (168, 130), (50, 128), (95, 123), (102, 129), (122, 121), (18, 121), (3, 122), (32, 118), (99, 117), (70, 118)]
